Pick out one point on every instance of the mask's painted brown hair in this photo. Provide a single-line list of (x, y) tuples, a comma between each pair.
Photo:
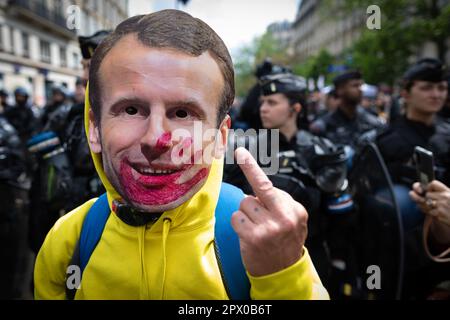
[(171, 29)]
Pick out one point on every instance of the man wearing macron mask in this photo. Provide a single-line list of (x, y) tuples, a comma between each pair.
[(155, 77)]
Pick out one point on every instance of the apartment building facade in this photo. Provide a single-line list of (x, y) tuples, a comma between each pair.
[(38, 41)]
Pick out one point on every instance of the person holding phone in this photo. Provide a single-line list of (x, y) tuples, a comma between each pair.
[(424, 91)]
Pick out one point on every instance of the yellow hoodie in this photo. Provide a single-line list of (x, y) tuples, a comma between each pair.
[(173, 258)]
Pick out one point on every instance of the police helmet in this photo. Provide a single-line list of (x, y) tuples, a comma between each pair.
[(282, 83), (60, 89), (90, 43), (21, 91), (345, 77), (427, 69), (268, 67)]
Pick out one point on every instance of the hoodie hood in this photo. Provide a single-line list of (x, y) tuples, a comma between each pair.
[(197, 210)]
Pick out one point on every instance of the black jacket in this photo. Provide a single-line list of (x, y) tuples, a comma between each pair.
[(342, 130), (397, 144)]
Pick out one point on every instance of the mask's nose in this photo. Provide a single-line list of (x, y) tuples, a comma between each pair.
[(157, 139)]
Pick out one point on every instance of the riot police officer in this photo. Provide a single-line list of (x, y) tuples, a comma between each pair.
[(13, 212), (349, 121), (55, 113), (249, 111), (21, 116), (424, 92), (65, 164), (311, 168)]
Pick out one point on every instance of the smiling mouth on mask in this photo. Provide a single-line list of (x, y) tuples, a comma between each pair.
[(153, 171), (150, 171)]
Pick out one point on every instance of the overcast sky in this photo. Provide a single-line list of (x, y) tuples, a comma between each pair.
[(237, 22)]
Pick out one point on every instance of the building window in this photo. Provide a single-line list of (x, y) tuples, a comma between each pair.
[(45, 51), (12, 40), (2, 45), (25, 45), (63, 57), (58, 8), (76, 61)]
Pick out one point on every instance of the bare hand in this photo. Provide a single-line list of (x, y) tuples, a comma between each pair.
[(436, 204), (272, 227), (436, 201)]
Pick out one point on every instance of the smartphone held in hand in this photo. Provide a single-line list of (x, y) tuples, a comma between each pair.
[(424, 161)]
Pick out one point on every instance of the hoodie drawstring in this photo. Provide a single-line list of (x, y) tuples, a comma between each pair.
[(144, 288), (144, 292), (165, 233)]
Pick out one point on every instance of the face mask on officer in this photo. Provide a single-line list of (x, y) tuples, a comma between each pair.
[(328, 165)]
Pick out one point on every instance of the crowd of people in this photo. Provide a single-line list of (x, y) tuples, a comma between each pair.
[(346, 117), (157, 82)]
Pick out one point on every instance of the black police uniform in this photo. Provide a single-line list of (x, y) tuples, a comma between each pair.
[(70, 173), (397, 144), (74, 178), (340, 129), (23, 119), (13, 212), (54, 117), (86, 182)]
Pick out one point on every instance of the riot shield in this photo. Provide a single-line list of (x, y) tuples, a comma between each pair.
[(380, 245)]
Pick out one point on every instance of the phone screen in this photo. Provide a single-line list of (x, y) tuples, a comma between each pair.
[(424, 165)]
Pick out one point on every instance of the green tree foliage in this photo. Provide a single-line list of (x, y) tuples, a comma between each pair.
[(249, 56), (315, 66), (266, 46), (383, 55)]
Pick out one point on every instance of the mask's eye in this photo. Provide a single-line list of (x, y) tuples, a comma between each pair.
[(181, 113), (131, 111)]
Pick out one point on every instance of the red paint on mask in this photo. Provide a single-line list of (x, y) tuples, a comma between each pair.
[(181, 151), (186, 143), (163, 141), (157, 189)]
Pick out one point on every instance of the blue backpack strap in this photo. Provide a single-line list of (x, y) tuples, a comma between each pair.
[(227, 246), (93, 227), (91, 232)]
